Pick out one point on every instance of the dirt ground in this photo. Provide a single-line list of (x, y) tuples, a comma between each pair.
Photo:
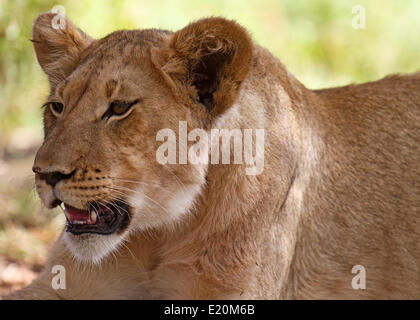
[(14, 276), (27, 229)]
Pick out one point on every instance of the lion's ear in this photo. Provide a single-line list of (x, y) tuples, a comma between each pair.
[(58, 44), (213, 56)]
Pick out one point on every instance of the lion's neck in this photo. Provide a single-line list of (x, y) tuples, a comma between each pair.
[(241, 213), (231, 198)]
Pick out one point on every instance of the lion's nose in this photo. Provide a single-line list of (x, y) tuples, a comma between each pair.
[(52, 178)]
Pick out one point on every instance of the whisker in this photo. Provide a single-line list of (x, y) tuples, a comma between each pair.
[(116, 206), (96, 212), (119, 188), (177, 179), (130, 181), (117, 194), (148, 184), (104, 205)]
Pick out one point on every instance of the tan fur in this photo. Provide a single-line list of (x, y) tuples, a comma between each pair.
[(340, 186)]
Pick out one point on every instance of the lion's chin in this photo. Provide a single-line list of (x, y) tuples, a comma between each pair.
[(92, 248)]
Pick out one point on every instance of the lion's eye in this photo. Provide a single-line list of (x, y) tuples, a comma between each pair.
[(56, 108), (119, 108)]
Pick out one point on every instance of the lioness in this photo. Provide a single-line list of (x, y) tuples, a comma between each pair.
[(340, 187)]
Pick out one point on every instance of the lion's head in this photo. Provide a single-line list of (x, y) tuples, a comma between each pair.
[(109, 99)]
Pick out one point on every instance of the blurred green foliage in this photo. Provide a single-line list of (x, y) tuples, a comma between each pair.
[(314, 39)]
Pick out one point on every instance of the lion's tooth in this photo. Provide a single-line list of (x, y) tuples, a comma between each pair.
[(93, 217)]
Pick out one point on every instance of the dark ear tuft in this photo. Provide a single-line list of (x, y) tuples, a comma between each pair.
[(213, 56)]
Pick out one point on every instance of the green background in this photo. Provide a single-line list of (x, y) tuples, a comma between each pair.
[(314, 39)]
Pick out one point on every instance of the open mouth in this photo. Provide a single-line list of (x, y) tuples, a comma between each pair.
[(101, 218)]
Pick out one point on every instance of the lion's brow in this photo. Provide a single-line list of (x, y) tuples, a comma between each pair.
[(60, 90), (110, 87), (84, 87)]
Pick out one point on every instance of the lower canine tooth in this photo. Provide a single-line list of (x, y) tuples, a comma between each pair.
[(93, 217)]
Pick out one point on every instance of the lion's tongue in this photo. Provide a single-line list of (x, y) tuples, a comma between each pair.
[(75, 215)]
